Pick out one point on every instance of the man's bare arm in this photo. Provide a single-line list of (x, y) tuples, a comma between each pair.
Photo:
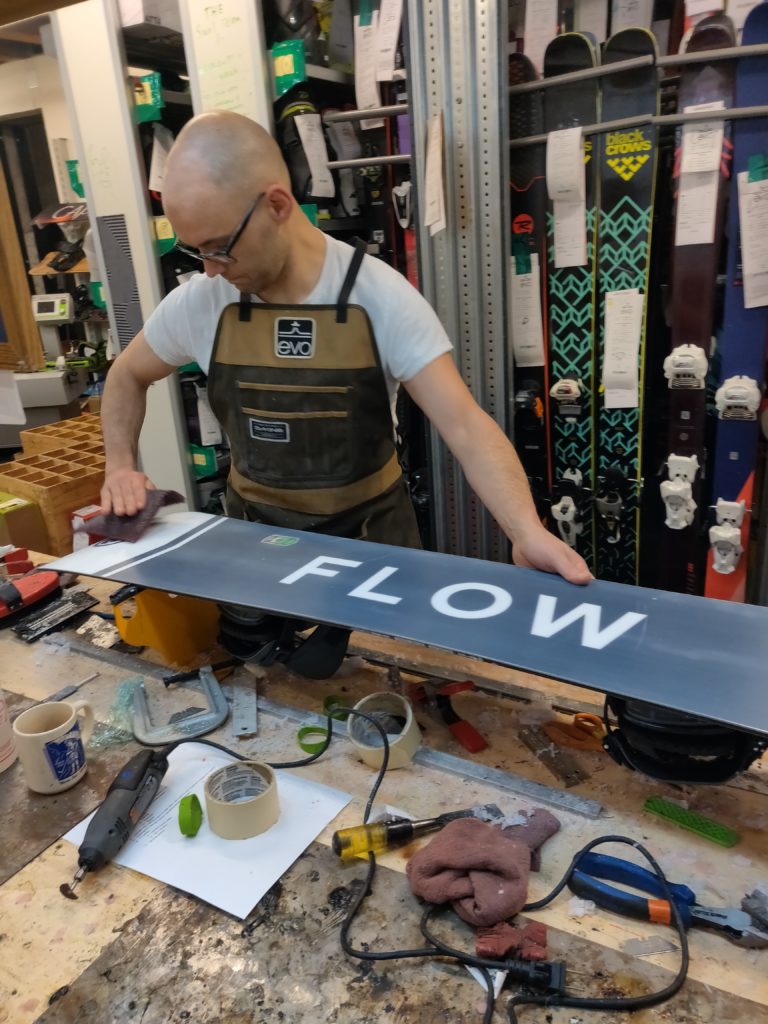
[(492, 468), (122, 413)]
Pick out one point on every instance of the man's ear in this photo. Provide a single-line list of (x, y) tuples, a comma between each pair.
[(280, 202)]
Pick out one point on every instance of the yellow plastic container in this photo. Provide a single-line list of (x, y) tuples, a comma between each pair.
[(175, 626)]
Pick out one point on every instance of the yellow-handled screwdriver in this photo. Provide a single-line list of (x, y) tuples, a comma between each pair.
[(380, 835)]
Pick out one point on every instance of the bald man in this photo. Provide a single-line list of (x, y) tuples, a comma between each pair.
[(305, 341)]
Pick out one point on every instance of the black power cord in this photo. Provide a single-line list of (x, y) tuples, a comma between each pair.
[(628, 1003), (541, 975)]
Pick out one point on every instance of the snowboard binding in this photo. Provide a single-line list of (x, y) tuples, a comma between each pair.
[(676, 747), (272, 639)]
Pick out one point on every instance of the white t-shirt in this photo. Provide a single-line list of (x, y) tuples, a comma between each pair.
[(408, 333)]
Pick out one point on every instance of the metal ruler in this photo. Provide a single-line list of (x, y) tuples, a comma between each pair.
[(243, 705)]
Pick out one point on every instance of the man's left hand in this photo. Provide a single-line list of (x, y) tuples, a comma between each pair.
[(540, 549)]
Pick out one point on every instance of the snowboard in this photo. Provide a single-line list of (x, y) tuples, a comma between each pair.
[(627, 185), (698, 656), (528, 213), (741, 351), (693, 287), (571, 307)]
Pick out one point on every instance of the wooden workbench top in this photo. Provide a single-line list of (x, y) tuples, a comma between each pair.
[(131, 949)]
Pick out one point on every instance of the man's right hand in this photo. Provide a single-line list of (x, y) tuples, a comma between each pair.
[(125, 492)]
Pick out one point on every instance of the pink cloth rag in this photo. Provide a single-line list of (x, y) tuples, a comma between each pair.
[(482, 870)]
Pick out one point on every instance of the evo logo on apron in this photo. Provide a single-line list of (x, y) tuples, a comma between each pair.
[(294, 337)]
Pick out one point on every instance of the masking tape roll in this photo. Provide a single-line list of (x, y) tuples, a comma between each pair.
[(395, 714), (241, 800)]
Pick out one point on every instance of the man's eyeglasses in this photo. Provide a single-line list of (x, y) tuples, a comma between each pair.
[(223, 255)]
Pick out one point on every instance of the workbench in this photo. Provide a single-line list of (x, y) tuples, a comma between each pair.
[(134, 950)]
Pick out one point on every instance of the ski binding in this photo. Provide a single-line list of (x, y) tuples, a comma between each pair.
[(727, 548), (738, 398), (686, 367), (679, 503), (568, 394), (610, 504), (729, 513), (569, 525), (683, 467)]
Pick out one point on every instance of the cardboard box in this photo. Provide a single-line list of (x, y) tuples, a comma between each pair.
[(21, 524)]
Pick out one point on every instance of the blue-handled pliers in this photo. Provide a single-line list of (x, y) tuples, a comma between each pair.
[(736, 925)]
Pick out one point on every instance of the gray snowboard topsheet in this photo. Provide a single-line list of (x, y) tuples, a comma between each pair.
[(691, 654)]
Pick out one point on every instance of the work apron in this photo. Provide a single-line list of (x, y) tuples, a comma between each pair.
[(300, 393)]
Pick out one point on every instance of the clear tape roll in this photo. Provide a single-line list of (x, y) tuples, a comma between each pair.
[(241, 800), (396, 716)]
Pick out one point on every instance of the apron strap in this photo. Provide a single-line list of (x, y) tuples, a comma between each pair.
[(245, 308), (354, 265)]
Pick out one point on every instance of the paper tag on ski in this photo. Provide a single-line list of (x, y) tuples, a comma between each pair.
[(592, 16), (694, 8), (753, 219), (697, 208), (631, 14), (527, 329), (622, 332), (366, 86), (313, 143), (570, 230), (702, 142), (540, 29), (566, 179), (566, 187), (390, 17)]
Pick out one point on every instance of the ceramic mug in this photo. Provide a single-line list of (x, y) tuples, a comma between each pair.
[(49, 740), (8, 753)]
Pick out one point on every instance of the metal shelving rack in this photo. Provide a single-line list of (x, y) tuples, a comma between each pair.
[(457, 64)]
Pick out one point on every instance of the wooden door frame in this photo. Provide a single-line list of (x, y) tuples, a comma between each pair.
[(24, 350)]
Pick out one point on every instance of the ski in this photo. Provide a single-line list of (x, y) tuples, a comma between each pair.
[(571, 294), (528, 216), (741, 348), (627, 181), (698, 234)]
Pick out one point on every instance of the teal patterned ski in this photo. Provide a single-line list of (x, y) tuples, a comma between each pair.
[(627, 179), (571, 294)]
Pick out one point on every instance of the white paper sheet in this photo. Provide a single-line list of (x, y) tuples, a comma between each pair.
[(366, 87), (753, 218), (631, 14), (313, 143), (231, 874), (623, 329), (11, 409), (591, 16), (694, 8), (527, 329), (565, 168), (390, 17), (702, 141), (540, 29), (434, 199), (697, 208), (162, 141), (570, 234)]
